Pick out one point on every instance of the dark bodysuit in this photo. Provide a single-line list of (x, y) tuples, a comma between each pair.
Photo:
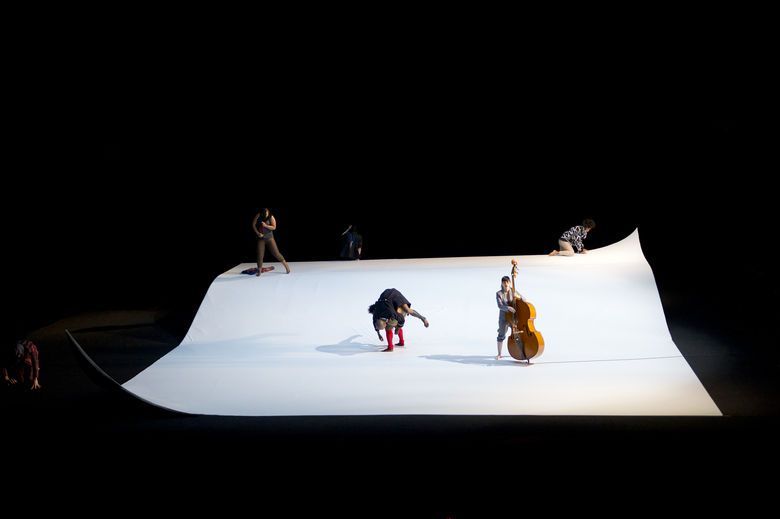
[(387, 303)]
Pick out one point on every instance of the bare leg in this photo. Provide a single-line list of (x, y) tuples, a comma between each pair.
[(566, 249), (278, 255), (503, 328), (260, 254)]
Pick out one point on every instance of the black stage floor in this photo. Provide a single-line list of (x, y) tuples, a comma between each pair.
[(450, 463)]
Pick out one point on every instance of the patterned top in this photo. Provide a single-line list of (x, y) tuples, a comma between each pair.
[(575, 235), (502, 299)]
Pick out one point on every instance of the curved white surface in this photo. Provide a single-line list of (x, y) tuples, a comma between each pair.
[(303, 344)]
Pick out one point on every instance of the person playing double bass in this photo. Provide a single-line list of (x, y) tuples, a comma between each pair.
[(505, 301)]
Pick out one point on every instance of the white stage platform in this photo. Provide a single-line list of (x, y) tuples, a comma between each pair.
[(304, 344)]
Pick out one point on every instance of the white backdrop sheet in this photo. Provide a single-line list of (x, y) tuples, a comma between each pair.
[(304, 344)]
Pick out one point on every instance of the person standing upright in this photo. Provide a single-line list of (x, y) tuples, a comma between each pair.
[(264, 225)]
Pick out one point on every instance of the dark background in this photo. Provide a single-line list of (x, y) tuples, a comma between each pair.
[(149, 200), (139, 189)]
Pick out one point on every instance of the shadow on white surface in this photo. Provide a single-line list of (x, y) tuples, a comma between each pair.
[(275, 345)]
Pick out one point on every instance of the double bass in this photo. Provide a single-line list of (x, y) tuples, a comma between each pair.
[(525, 342)]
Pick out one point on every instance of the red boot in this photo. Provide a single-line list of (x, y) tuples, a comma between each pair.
[(400, 332), (389, 334)]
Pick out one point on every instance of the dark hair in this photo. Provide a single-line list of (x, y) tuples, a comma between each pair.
[(371, 310), (506, 278), (265, 214), (590, 224)]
